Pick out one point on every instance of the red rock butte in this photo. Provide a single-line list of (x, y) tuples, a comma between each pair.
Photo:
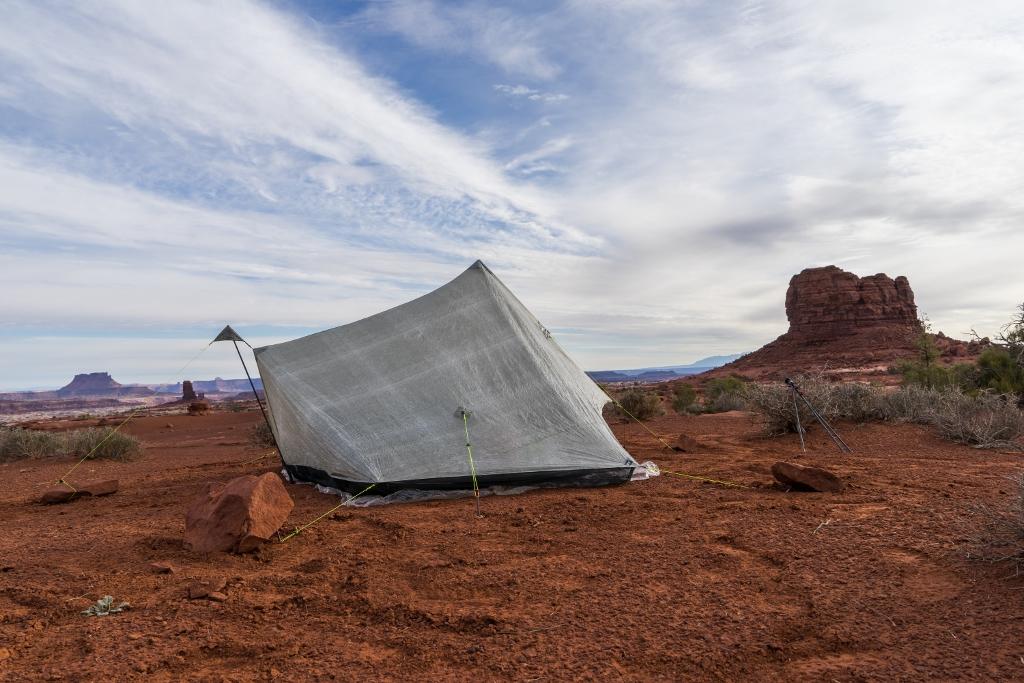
[(828, 303), (842, 323)]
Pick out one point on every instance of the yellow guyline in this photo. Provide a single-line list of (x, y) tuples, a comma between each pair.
[(341, 504), (63, 479), (472, 466), (665, 444)]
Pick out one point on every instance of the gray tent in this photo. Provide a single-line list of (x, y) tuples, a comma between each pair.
[(381, 400)]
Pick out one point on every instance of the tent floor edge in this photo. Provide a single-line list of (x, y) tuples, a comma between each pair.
[(579, 478)]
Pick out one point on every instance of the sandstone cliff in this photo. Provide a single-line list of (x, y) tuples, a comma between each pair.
[(844, 324)]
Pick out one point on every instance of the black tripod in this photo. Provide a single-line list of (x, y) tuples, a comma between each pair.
[(799, 396)]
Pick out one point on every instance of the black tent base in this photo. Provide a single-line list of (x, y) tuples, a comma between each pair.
[(577, 478)]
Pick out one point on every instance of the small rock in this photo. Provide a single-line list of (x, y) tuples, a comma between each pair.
[(5, 653), (100, 488), (60, 494), (168, 426), (686, 444), (163, 567), (238, 516), (217, 596), (803, 477), (204, 589)]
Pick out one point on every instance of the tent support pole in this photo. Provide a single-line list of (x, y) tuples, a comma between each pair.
[(260, 402)]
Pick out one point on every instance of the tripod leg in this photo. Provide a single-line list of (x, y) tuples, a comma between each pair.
[(799, 427), (838, 440)]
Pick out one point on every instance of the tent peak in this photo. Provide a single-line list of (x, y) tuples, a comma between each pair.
[(228, 334)]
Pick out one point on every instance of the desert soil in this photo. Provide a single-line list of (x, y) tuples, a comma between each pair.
[(666, 579)]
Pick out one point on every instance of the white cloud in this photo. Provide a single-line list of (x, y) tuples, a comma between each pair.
[(530, 93), (497, 35), (187, 159)]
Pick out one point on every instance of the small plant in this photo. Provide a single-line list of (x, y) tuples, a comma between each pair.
[(262, 436), (105, 606), (684, 399), (643, 405)]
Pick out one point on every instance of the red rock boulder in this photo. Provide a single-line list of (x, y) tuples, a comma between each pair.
[(806, 478), (238, 516), (64, 493)]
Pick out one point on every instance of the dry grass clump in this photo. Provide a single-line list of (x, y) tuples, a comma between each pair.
[(262, 436), (17, 444), (983, 420), (1002, 539)]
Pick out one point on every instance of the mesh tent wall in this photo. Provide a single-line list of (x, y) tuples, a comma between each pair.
[(378, 401)]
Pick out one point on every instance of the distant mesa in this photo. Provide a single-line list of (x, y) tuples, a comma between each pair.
[(843, 323), (660, 374), (99, 384)]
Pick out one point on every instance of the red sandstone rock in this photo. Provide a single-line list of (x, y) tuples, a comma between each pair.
[(187, 392), (238, 516), (63, 494), (163, 567), (100, 488), (847, 324), (206, 589), (825, 303), (803, 477)]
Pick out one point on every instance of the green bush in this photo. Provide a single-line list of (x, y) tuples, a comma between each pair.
[(640, 404), (1000, 372), (684, 399), (962, 375), (723, 394), (16, 444)]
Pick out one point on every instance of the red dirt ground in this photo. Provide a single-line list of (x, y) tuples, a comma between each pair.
[(666, 579)]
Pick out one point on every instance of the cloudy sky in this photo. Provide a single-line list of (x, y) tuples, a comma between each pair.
[(646, 175)]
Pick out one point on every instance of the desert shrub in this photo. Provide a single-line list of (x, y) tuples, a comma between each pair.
[(1003, 538), (723, 394), (104, 443), (999, 371), (640, 404), (684, 399), (911, 403), (16, 444), (857, 402), (961, 375), (982, 419), (261, 435), (986, 420), (774, 402)]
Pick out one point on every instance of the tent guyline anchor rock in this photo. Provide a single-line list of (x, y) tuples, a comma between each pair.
[(365, 403)]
